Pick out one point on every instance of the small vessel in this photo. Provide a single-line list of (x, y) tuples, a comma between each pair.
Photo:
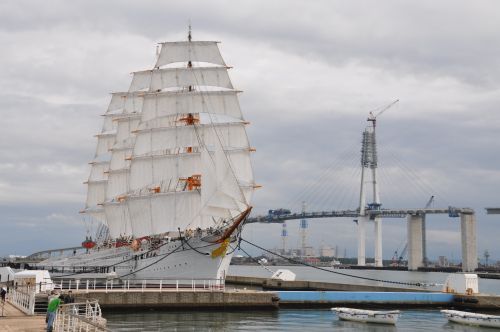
[(471, 318), (367, 316)]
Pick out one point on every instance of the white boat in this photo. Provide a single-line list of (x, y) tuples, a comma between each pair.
[(471, 318), (367, 316), (171, 180)]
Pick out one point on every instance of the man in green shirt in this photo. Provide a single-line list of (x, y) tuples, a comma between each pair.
[(51, 311)]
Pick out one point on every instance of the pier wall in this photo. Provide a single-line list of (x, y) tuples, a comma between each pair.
[(274, 284), (360, 299), (181, 299)]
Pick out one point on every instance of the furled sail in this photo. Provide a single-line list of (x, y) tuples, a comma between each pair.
[(180, 156)]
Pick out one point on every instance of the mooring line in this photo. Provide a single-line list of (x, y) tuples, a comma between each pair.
[(418, 284)]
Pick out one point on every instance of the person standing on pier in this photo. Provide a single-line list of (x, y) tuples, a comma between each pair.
[(3, 293), (51, 311)]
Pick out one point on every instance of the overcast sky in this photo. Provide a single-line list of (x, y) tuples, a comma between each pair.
[(310, 71)]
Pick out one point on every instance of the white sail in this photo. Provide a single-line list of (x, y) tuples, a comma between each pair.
[(220, 193), (195, 51), (125, 102), (156, 80), (146, 171), (104, 142), (159, 213), (125, 126), (96, 192), (118, 219), (155, 140), (98, 171), (178, 102)]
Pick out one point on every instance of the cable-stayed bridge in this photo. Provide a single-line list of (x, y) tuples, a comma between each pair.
[(372, 211)]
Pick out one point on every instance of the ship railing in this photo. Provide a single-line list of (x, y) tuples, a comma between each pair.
[(82, 316), (141, 285), (24, 299)]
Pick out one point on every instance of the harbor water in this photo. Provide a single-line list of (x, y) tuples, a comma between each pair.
[(279, 320), (297, 319)]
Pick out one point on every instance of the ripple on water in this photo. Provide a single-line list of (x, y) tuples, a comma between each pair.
[(271, 320)]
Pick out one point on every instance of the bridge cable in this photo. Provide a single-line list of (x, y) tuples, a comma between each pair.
[(418, 284)]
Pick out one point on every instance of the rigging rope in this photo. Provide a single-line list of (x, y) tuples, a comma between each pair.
[(418, 284), (256, 260)]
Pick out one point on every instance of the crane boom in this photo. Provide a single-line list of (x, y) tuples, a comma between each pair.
[(373, 117), (429, 202)]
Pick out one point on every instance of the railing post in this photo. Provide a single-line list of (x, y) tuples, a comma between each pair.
[(69, 286), (161, 284), (177, 285), (32, 303), (77, 284), (112, 282), (106, 286), (87, 287)]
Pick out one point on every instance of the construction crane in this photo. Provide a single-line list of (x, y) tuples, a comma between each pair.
[(429, 202), (402, 255), (372, 117), (424, 236)]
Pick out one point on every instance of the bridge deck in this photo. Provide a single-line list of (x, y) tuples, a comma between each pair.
[(385, 213)]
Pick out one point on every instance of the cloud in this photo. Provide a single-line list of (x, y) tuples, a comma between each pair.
[(310, 73)]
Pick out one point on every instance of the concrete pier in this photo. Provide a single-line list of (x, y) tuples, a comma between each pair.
[(274, 284), (477, 301), (469, 246), (171, 299), (415, 242)]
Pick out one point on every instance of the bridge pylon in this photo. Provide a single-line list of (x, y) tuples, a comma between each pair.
[(369, 161)]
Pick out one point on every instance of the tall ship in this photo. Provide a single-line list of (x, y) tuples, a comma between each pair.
[(171, 180)]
